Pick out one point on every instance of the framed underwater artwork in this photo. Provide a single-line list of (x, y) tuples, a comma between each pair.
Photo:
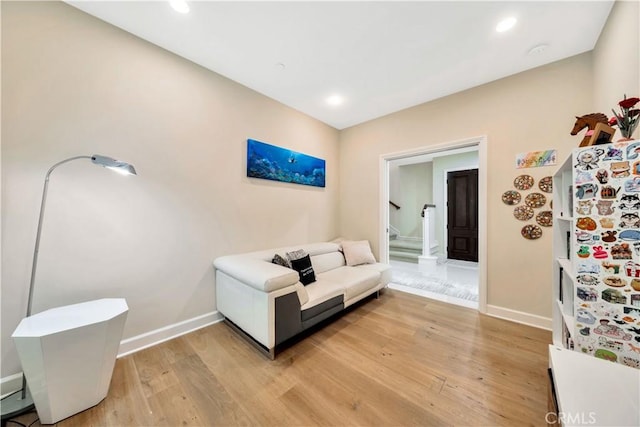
[(266, 161)]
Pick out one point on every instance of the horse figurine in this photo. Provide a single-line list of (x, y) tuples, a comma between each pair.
[(589, 120)]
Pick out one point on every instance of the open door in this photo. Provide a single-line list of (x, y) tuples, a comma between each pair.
[(462, 215)]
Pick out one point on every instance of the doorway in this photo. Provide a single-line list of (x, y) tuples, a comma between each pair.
[(468, 244)]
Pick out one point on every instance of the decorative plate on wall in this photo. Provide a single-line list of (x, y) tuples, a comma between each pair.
[(531, 232), (523, 182), (523, 213), (546, 184), (545, 218), (535, 200), (511, 197)]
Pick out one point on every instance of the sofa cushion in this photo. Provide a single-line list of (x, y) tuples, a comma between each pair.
[(322, 290), (280, 260), (320, 248), (354, 280), (358, 252), (328, 261), (383, 269), (297, 254), (304, 268)]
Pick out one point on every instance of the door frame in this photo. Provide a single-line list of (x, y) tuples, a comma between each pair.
[(446, 206), (481, 143)]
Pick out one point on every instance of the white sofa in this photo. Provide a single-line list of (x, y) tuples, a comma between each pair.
[(268, 303)]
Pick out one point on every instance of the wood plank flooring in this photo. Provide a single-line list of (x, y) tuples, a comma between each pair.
[(399, 360)]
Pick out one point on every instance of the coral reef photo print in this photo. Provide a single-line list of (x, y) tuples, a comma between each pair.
[(267, 161)]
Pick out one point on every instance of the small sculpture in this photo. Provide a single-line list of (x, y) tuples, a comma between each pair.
[(590, 121)]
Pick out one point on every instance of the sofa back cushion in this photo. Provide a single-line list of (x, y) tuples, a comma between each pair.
[(327, 261)]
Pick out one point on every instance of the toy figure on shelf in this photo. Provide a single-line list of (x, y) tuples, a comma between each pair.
[(588, 121)]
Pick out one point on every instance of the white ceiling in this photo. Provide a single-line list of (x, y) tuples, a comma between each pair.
[(380, 56)]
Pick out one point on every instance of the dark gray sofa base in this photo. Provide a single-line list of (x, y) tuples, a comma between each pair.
[(291, 321)]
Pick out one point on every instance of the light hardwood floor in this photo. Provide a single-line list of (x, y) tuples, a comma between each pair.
[(394, 361)]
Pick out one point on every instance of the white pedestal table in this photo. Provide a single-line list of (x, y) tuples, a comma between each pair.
[(68, 355)]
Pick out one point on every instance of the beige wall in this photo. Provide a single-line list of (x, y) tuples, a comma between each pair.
[(410, 186), (73, 85), (530, 111), (616, 59)]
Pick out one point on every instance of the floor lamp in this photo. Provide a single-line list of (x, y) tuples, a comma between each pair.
[(21, 401)]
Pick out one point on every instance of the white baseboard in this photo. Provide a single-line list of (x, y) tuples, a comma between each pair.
[(10, 384), (149, 339), (131, 345), (519, 317)]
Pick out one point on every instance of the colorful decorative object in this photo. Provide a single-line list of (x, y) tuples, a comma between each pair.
[(545, 218), (274, 163), (535, 200), (588, 121), (523, 213), (535, 159), (628, 118), (511, 197), (588, 159), (523, 182), (531, 232), (546, 184), (532, 201)]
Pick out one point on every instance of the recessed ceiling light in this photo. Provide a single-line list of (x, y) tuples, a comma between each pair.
[(334, 100), (179, 6), (506, 24)]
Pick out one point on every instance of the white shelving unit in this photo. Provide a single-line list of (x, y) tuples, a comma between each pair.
[(563, 277), (586, 389)]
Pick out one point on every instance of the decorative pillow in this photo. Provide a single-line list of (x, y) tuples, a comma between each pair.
[(359, 252), (300, 253), (277, 259), (304, 268)]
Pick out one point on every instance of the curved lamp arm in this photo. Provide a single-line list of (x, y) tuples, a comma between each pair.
[(104, 161)]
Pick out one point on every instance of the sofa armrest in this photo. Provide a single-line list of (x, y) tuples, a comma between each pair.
[(257, 273)]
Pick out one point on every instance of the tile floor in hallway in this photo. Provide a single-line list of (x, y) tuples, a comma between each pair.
[(453, 272)]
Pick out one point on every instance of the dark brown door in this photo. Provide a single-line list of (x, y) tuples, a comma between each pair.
[(462, 215)]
